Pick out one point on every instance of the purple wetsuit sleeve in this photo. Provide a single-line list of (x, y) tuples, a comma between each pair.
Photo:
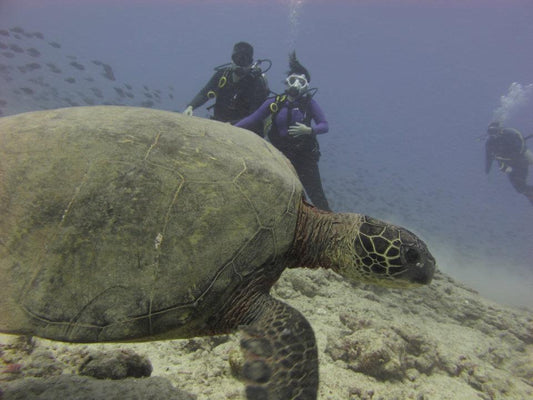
[(257, 116), (321, 125)]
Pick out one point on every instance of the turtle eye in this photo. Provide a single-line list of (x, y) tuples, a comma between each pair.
[(412, 256)]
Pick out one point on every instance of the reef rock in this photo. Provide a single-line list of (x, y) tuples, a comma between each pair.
[(439, 342)]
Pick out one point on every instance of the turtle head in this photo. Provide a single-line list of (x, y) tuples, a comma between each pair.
[(384, 254)]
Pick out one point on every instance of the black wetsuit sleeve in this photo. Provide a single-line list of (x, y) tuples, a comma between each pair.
[(489, 156), (260, 93), (200, 99)]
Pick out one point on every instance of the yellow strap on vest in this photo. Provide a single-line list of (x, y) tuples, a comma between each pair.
[(222, 82), (223, 79), (274, 105)]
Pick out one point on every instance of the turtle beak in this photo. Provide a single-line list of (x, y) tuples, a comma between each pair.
[(420, 273)]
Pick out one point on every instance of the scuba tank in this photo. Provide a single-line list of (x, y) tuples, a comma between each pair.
[(254, 69)]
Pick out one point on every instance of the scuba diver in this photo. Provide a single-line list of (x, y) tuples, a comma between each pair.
[(238, 88), (508, 147), (287, 119)]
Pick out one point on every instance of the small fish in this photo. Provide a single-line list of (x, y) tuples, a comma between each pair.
[(70, 80), (39, 81), (108, 72), (54, 68), (33, 52), (120, 92), (77, 65), (33, 66), (55, 44), (16, 48), (26, 90)]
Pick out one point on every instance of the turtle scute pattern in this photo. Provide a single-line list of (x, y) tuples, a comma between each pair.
[(385, 252), (128, 223)]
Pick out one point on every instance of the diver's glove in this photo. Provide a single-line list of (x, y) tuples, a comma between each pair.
[(505, 168), (188, 111), (299, 130)]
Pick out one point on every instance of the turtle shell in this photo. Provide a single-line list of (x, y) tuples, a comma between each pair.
[(124, 222)]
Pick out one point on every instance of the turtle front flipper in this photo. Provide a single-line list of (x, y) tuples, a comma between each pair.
[(280, 353)]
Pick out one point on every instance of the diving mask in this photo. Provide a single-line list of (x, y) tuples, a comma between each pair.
[(242, 59), (297, 84), (494, 128)]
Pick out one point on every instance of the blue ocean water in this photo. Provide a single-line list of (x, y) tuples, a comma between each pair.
[(407, 86)]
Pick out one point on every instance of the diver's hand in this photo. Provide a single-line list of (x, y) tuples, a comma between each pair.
[(505, 168), (188, 111), (299, 129)]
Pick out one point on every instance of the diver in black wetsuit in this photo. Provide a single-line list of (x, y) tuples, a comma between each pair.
[(508, 147), (238, 88)]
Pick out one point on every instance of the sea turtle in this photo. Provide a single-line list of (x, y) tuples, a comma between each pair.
[(123, 223)]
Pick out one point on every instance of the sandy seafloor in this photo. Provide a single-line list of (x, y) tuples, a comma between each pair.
[(444, 341)]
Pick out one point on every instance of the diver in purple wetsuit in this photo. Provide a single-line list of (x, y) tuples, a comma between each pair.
[(288, 121)]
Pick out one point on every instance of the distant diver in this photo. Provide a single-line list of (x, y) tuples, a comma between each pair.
[(508, 147), (238, 88)]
